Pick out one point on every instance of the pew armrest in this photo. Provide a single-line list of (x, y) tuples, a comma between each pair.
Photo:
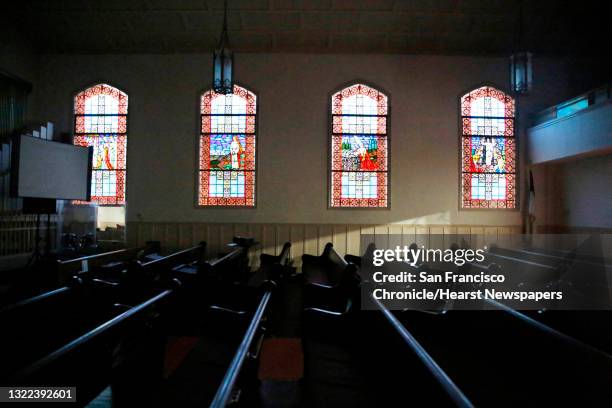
[(325, 298), (330, 312), (122, 307), (432, 312), (227, 310), (321, 285), (152, 257), (104, 283), (105, 288), (354, 259), (188, 269), (257, 346), (323, 311)]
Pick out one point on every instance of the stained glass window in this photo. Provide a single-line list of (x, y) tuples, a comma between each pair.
[(227, 148), (488, 164), (100, 120), (359, 147)]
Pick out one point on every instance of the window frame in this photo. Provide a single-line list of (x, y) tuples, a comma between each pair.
[(330, 135), (517, 150), (199, 114), (73, 119)]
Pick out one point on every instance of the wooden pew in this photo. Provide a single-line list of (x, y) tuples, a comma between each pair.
[(593, 333), (222, 311), (558, 256), (591, 276), (218, 285), (241, 377), (368, 255), (450, 393), (110, 261), (66, 312), (588, 326), (96, 277), (277, 267), (330, 283), (184, 258), (39, 324), (500, 359), (282, 258), (373, 357), (153, 275), (51, 274), (541, 258), (141, 278), (232, 266), (327, 270), (141, 359), (247, 244), (230, 280), (585, 328), (224, 267), (521, 272), (523, 350), (125, 351)]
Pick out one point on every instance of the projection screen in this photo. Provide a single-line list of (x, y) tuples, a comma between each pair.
[(45, 169)]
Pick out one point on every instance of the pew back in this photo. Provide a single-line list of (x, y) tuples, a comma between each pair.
[(236, 368), (47, 321), (68, 268), (328, 269), (101, 356), (229, 267)]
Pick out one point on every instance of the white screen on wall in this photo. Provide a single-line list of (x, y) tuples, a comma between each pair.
[(53, 170)]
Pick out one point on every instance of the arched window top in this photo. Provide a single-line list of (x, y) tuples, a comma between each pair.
[(359, 99), (359, 147), (242, 101), (101, 99), (487, 101), (227, 148), (100, 113), (488, 162)]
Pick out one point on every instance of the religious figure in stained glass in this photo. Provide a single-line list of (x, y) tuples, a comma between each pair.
[(101, 121), (227, 149), (489, 149), (359, 147)]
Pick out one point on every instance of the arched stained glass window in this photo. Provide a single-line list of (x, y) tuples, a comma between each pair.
[(488, 164), (100, 120), (359, 146), (227, 148)]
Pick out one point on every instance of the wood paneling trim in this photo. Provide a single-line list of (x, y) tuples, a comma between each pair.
[(305, 238)]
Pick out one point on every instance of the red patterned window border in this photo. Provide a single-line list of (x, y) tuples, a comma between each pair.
[(227, 149), (488, 154), (100, 120), (359, 148)]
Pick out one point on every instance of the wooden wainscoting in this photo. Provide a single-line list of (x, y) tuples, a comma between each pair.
[(564, 229), (305, 238)]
